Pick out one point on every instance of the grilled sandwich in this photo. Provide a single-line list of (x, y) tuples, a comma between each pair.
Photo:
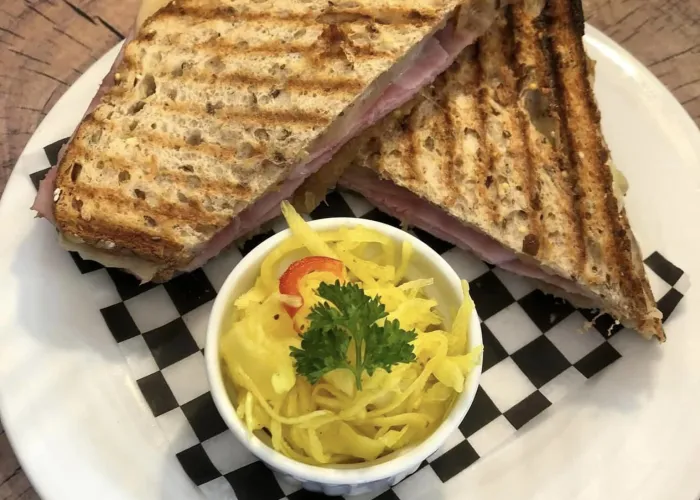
[(504, 156), (217, 110)]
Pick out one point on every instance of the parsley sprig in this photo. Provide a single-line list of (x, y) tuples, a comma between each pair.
[(349, 317)]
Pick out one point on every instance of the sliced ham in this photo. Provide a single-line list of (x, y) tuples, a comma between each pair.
[(415, 211)]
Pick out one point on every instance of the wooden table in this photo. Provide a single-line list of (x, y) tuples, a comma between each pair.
[(46, 44)]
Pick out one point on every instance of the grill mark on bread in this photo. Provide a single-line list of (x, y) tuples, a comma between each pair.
[(447, 133), (130, 242), (312, 53), (464, 80), (213, 186), (486, 153), (408, 125), (505, 139), (160, 210), (327, 86), (385, 15), (166, 141), (568, 111), (567, 162), (260, 117), (361, 53), (596, 157), (534, 238), (583, 180)]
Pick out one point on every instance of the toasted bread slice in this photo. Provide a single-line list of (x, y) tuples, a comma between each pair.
[(507, 145), (215, 105)]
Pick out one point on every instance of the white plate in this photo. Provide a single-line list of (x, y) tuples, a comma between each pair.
[(81, 430)]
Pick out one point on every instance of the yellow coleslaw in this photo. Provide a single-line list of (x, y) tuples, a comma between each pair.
[(332, 421)]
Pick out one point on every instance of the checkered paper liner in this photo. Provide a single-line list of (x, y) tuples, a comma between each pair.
[(534, 354)]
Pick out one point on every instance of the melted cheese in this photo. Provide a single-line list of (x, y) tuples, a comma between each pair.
[(143, 269), (620, 186)]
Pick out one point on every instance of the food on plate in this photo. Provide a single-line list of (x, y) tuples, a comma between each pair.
[(217, 110), (504, 156), (338, 356)]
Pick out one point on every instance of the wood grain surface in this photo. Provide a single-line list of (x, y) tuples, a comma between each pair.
[(46, 44)]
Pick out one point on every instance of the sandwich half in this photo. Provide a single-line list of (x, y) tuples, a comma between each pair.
[(217, 110), (504, 156)]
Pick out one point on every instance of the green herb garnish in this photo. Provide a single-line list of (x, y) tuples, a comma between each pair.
[(350, 318)]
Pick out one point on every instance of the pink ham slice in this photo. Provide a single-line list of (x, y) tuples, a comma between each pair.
[(432, 61), (531, 271), (436, 55), (415, 211)]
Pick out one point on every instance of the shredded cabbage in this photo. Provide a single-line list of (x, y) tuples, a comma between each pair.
[(332, 422)]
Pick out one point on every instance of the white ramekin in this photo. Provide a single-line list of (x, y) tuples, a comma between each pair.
[(447, 291)]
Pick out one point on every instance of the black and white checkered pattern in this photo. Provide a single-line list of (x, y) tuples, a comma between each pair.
[(534, 354)]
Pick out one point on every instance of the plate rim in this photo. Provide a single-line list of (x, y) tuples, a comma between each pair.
[(593, 36)]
